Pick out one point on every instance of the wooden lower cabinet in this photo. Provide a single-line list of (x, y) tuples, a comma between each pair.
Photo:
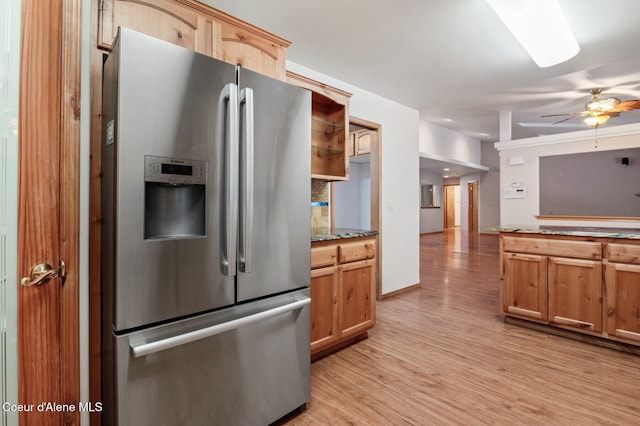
[(356, 297), (524, 290), (575, 293), (343, 278), (622, 283), (591, 286), (324, 316)]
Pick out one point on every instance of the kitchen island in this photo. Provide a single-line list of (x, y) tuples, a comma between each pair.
[(343, 287), (578, 279)]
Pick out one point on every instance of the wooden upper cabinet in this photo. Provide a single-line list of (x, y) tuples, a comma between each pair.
[(329, 128), (164, 19), (198, 27), (253, 51)]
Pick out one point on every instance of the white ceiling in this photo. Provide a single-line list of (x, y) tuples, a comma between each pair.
[(454, 60)]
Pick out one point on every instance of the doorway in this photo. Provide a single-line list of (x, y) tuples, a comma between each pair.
[(472, 192), (361, 193), (451, 206)]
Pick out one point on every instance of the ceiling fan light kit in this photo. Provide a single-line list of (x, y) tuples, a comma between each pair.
[(596, 120), (599, 111), (540, 27)]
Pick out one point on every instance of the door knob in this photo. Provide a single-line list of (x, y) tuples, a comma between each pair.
[(42, 273)]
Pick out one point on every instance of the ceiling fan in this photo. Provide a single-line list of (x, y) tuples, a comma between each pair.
[(598, 111)]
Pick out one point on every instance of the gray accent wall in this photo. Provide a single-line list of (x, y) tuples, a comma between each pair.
[(489, 191), (599, 183)]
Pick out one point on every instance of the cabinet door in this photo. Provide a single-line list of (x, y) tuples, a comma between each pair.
[(240, 46), (324, 329), (363, 142), (623, 300), (163, 19), (356, 297), (575, 293), (525, 285)]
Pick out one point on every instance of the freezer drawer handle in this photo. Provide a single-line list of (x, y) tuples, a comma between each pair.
[(182, 339)]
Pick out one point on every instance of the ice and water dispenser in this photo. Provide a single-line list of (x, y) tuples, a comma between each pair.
[(174, 198)]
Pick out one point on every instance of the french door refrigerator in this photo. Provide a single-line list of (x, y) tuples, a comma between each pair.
[(205, 239)]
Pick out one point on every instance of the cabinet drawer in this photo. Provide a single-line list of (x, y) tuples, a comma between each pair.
[(565, 248), (323, 256), (626, 253), (357, 251)]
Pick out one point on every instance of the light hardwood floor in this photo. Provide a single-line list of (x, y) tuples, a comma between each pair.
[(442, 355)]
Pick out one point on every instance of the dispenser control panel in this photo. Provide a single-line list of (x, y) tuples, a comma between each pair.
[(174, 171)]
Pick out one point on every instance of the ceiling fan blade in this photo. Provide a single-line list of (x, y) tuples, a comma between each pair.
[(627, 105), (556, 115), (574, 115)]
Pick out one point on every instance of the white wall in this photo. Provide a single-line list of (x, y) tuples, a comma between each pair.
[(432, 219), (352, 198), (446, 143), (523, 211), (400, 245)]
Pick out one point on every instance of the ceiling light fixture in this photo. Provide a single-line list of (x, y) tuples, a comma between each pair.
[(596, 120), (540, 27)]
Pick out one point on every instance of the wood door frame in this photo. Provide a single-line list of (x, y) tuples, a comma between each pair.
[(376, 192), (49, 208)]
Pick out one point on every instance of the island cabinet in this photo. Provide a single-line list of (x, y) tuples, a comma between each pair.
[(553, 281), (622, 285), (329, 128), (196, 26), (342, 292)]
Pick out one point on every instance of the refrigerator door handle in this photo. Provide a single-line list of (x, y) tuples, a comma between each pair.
[(247, 176), (229, 97), (182, 339)]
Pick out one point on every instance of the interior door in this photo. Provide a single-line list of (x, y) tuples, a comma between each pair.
[(449, 206), (472, 188), (49, 141)]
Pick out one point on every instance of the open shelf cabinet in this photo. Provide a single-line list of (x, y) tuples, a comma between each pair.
[(329, 128)]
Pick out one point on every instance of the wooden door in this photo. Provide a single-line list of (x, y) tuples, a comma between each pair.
[(356, 297), (324, 328), (49, 135), (575, 293), (524, 290), (449, 206), (472, 189), (623, 300)]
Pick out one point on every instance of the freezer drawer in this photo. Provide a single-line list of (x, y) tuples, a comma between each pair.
[(252, 370)]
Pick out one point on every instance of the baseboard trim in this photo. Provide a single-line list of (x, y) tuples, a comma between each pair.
[(401, 291)]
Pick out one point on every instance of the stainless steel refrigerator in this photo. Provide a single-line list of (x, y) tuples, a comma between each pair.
[(205, 239)]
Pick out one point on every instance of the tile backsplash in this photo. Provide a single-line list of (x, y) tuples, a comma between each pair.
[(320, 204)]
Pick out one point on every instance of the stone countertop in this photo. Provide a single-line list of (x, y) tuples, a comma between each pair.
[(326, 234), (575, 231)]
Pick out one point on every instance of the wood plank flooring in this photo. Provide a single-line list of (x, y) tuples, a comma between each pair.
[(442, 355)]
